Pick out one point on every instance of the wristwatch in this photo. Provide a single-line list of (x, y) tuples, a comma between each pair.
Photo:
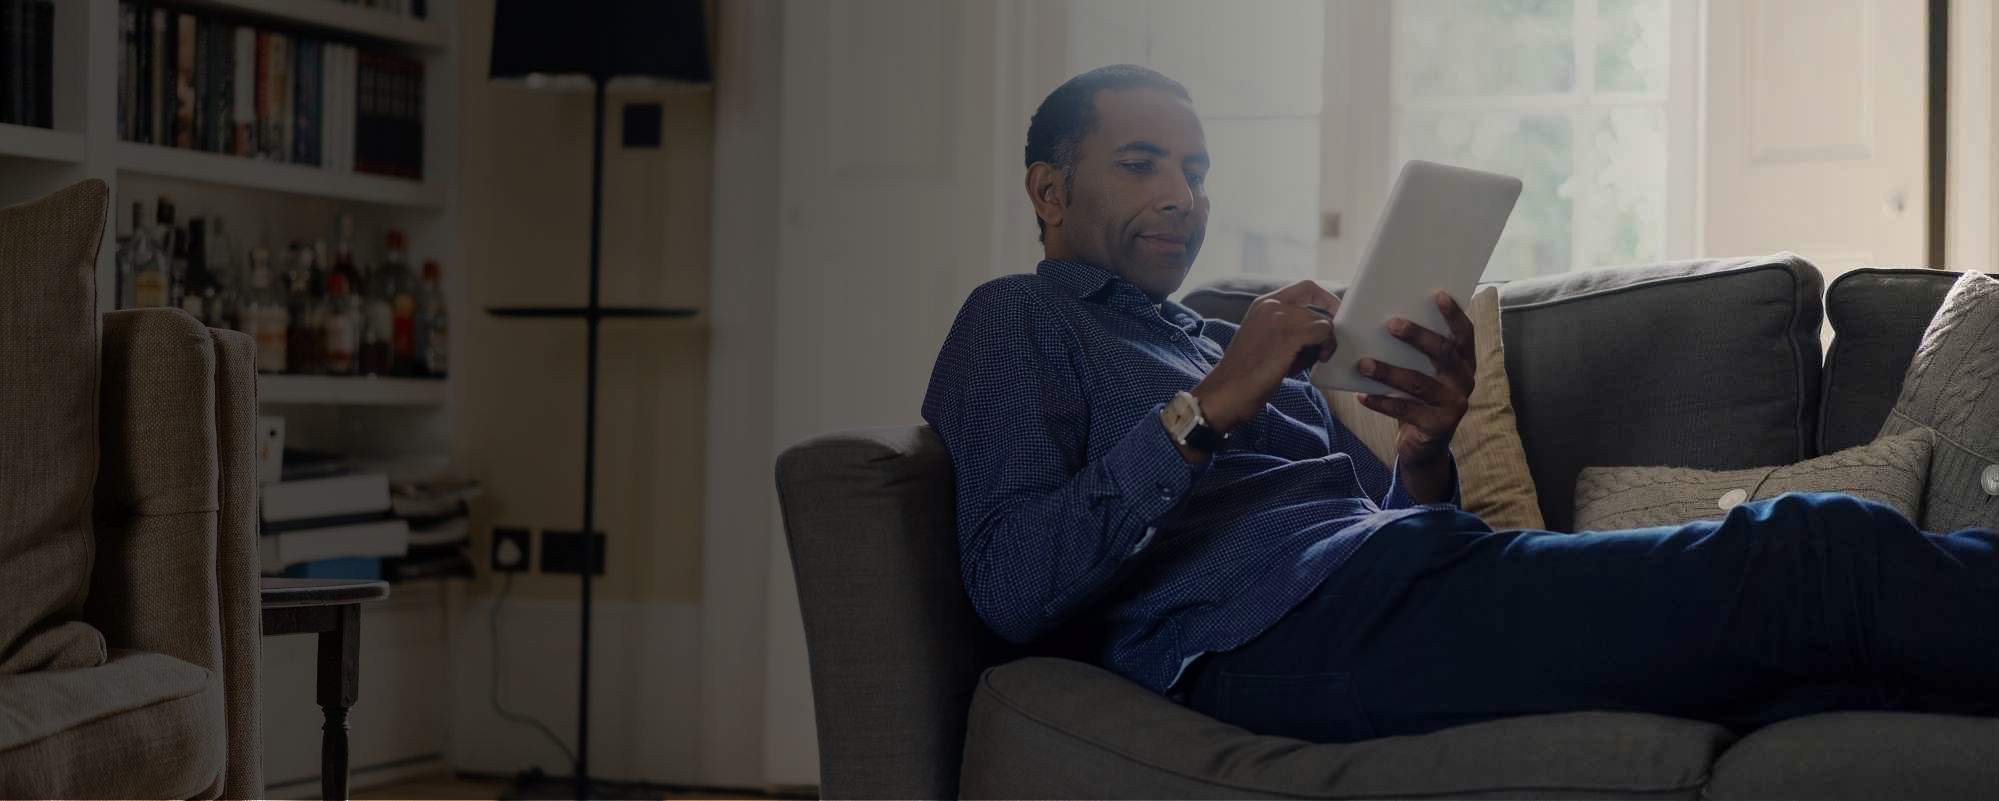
[(1184, 423)]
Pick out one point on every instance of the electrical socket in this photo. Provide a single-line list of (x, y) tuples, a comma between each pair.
[(512, 547), (562, 552)]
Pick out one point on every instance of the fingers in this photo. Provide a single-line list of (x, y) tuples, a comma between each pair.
[(1307, 293), (1461, 328), (1418, 385), (1448, 354)]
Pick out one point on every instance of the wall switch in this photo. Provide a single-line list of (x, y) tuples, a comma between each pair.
[(511, 549), (562, 552)]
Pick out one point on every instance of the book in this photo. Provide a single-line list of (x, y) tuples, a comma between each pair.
[(128, 68), (288, 502), (455, 529), (41, 79), (155, 88), (354, 567), (379, 538), (243, 94), (184, 61)]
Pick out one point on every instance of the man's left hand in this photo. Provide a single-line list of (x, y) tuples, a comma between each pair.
[(1430, 415)]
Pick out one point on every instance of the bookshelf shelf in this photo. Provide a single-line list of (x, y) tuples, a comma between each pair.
[(335, 17), (238, 171), (27, 141), (357, 390)]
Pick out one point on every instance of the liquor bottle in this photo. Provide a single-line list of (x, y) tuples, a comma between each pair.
[(396, 287), (378, 314), (307, 348), (225, 277), (266, 316), (135, 255), (431, 324), (343, 251), (342, 325), (149, 264), (173, 252), (191, 272)]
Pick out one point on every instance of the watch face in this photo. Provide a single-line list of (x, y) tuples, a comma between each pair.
[(1179, 415)]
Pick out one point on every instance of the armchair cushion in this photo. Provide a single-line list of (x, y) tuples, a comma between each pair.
[(1055, 728), (141, 725), (48, 427), (1863, 755)]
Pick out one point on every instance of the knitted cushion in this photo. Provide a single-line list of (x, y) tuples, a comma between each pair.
[(1890, 470), (1952, 388)]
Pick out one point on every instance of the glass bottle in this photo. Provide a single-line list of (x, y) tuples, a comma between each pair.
[(342, 326), (397, 287), (431, 323), (229, 282), (172, 250), (266, 316), (135, 256)]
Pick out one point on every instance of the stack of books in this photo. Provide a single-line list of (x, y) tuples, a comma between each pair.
[(341, 526), (438, 516), (27, 49), (202, 82)]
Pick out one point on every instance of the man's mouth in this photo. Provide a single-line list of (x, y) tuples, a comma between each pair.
[(1165, 240)]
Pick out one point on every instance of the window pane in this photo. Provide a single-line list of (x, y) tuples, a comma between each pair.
[(1624, 202), (1456, 48), (1631, 45), (1538, 149)]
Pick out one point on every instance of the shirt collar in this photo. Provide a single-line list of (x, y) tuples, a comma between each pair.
[(1090, 282)]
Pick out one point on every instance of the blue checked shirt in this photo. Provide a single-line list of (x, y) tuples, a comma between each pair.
[(1074, 506)]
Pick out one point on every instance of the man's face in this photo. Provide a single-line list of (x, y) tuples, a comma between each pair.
[(1137, 204)]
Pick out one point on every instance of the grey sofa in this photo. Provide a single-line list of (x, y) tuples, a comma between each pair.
[(1712, 364)]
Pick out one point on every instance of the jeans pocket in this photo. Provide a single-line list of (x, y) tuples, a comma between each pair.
[(1318, 707)]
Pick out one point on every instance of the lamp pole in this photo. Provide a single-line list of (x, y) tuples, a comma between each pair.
[(590, 321)]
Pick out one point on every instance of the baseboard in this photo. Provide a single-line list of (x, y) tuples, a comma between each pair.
[(363, 777)]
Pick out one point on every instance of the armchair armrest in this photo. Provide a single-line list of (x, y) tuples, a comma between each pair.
[(176, 509)]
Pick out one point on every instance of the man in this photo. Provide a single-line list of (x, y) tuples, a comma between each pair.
[(1170, 491)]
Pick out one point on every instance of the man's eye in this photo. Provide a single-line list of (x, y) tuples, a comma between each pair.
[(1137, 166), (1196, 180)]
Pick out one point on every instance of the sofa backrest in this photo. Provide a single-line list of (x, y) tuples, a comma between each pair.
[(1878, 318), (894, 646), (1711, 363)]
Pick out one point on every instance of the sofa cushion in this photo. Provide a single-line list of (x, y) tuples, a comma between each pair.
[(156, 718), (1863, 755), (1492, 466), (1891, 470), (1878, 317), (1712, 364), (48, 426), (1054, 728), (1952, 388)]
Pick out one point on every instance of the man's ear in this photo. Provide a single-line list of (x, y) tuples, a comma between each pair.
[(1044, 189)]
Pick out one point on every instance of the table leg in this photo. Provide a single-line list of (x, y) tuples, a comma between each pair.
[(339, 683)]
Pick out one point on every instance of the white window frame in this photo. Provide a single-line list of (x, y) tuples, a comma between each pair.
[(1364, 107)]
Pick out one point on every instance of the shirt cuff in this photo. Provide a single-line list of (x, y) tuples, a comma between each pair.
[(1149, 474), (1398, 495)]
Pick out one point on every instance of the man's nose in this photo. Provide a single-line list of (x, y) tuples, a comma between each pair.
[(1177, 196)]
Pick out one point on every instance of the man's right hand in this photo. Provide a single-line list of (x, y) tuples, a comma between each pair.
[(1280, 335)]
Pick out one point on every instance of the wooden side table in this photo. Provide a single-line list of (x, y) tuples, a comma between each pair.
[(330, 608)]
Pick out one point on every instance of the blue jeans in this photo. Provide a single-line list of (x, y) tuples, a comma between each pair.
[(1789, 606)]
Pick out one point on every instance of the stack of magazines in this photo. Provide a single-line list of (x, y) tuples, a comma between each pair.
[(436, 512)]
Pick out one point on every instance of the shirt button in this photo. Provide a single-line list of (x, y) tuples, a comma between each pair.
[(1990, 479), (1732, 498), (1165, 492)]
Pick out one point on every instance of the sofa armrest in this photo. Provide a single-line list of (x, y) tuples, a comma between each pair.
[(175, 569)]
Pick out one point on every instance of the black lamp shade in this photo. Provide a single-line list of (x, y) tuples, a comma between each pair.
[(604, 39)]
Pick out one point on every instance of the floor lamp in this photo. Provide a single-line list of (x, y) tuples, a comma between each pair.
[(566, 45)]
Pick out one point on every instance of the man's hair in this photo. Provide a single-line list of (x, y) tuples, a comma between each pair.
[(1069, 114)]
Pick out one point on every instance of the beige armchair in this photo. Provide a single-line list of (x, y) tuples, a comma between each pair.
[(171, 711)]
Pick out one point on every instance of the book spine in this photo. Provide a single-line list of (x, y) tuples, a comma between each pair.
[(203, 31), (128, 66), (281, 108), (243, 94), (263, 99), (10, 60), (157, 86), (367, 132), (222, 79), (44, 68), (184, 61), (413, 133)]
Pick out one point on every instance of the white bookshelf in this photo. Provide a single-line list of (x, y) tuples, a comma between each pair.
[(43, 144), (369, 390), (376, 418)]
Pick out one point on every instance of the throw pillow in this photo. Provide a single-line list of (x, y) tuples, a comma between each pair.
[(1952, 389), (48, 431), (1492, 463), (1891, 470)]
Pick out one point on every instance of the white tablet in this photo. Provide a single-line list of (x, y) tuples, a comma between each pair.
[(1439, 230)]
